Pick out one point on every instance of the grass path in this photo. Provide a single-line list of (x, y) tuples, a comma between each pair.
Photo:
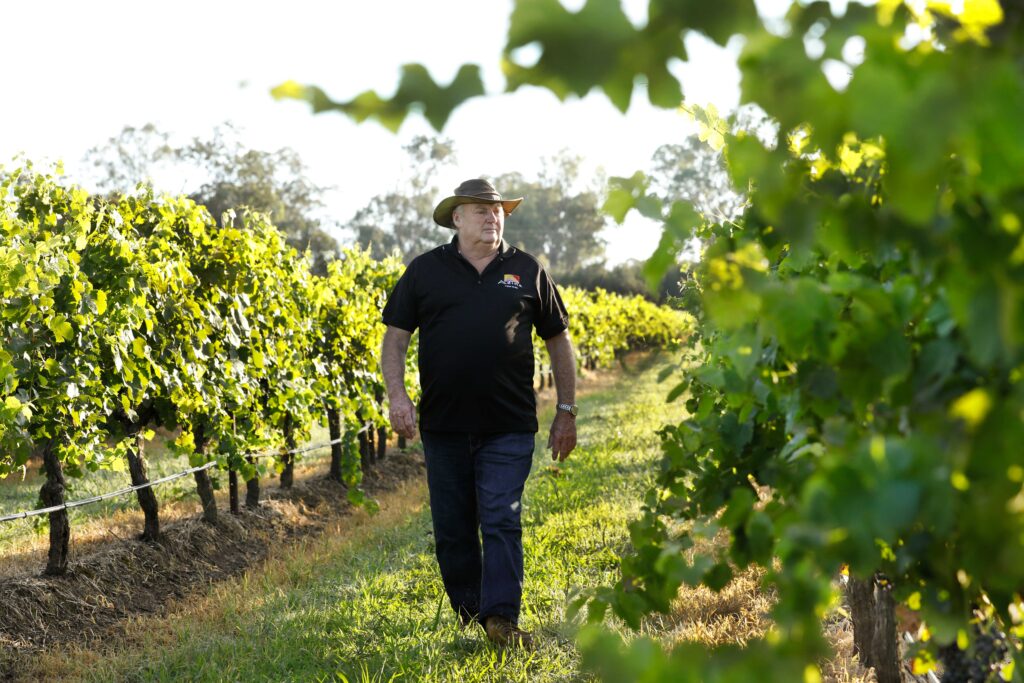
[(366, 603)]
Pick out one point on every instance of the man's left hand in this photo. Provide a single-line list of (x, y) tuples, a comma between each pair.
[(562, 438)]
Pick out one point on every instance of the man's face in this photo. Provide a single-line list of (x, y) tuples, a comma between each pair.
[(480, 223)]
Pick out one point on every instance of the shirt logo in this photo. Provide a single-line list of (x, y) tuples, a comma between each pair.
[(511, 282)]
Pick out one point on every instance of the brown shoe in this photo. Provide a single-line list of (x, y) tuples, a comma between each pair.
[(502, 632)]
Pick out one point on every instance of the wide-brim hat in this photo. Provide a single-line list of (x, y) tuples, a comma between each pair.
[(476, 191)]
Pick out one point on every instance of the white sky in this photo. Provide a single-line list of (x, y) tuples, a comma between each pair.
[(75, 73)]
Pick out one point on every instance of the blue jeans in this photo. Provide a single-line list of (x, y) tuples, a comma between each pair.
[(476, 486)]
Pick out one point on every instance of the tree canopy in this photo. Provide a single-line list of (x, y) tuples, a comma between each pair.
[(400, 220), (233, 177), (561, 220)]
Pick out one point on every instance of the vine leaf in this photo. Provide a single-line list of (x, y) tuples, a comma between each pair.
[(596, 47), (718, 20), (678, 228), (417, 91)]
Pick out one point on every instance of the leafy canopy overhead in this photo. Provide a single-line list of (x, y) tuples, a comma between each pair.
[(417, 91), (595, 47)]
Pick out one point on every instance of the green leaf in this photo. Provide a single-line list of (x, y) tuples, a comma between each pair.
[(663, 89), (923, 106), (61, 328), (802, 315), (416, 91), (677, 391), (663, 258), (649, 207), (678, 228), (741, 502), (618, 204), (717, 20), (704, 408), (718, 577), (760, 533), (596, 47), (580, 50), (712, 128), (979, 307), (624, 193), (894, 506), (742, 348), (778, 75)]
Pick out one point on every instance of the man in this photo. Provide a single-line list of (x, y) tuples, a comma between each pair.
[(475, 302)]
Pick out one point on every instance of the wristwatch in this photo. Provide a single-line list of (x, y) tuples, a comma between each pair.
[(570, 408)]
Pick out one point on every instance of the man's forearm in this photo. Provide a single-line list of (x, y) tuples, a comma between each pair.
[(563, 366), (392, 360)]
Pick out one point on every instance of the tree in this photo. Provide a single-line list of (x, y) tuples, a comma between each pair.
[(693, 171), (560, 223), (561, 220), (625, 278), (273, 183), (129, 157), (401, 220)]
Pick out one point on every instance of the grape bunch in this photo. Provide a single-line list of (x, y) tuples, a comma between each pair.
[(980, 662)]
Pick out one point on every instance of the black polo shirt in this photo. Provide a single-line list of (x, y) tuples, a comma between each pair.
[(475, 342)]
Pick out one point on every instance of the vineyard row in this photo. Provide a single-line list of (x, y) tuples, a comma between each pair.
[(122, 315)]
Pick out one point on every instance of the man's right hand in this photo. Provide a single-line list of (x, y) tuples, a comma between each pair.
[(403, 416)]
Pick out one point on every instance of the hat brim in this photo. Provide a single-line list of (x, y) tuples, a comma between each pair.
[(443, 212)]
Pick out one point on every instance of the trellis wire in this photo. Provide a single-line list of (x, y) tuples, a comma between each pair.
[(162, 480)]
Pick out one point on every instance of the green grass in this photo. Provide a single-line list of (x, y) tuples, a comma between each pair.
[(372, 609)]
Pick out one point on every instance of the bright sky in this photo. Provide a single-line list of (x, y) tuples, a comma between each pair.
[(76, 72)]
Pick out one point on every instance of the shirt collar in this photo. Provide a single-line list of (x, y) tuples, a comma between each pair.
[(504, 249)]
